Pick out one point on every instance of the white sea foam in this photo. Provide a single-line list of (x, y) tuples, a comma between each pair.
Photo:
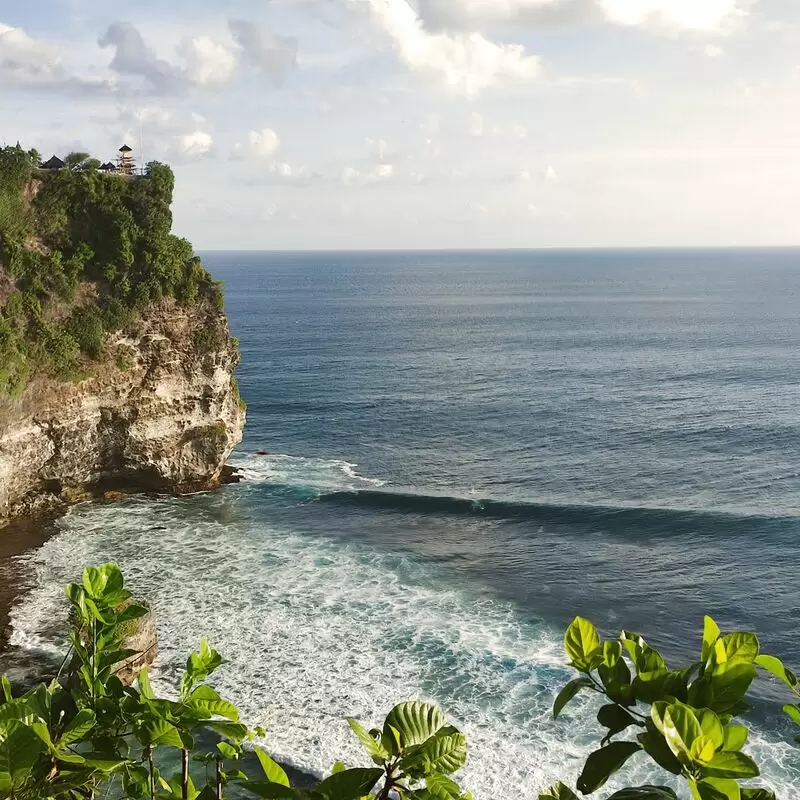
[(315, 630), (311, 473)]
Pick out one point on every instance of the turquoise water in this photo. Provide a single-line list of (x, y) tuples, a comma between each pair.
[(464, 451)]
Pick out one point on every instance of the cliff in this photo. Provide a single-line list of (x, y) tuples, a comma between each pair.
[(116, 362), (159, 414)]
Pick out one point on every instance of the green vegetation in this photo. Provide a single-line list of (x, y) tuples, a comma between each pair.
[(87, 735), (82, 253), (687, 721)]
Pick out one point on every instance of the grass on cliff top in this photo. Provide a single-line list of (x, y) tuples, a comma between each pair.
[(82, 252)]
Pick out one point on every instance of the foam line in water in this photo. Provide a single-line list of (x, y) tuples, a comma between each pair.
[(315, 630), (318, 474)]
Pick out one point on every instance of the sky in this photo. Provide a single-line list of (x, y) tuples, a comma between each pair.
[(350, 124)]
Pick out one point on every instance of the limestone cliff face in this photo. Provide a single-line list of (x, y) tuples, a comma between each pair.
[(161, 411)]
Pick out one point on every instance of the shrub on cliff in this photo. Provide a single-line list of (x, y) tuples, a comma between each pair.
[(59, 229)]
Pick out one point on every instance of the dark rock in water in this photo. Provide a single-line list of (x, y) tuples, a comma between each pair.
[(230, 474), (261, 453)]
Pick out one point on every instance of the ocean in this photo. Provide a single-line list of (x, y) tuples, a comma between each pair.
[(464, 450)]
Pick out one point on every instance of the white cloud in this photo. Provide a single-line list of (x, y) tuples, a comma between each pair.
[(208, 63), (377, 174), (705, 15), (33, 63), (550, 174), (699, 15), (465, 63), (280, 173), (714, 51), (272, 54), (26, 57), (193, 146), (263, 144), (134, 57)]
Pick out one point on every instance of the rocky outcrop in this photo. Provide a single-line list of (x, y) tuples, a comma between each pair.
[(143, 639), (161, 412)]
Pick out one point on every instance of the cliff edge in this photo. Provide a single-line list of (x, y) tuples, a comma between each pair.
[(116, 362)]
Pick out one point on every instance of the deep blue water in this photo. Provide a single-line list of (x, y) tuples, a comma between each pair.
[(464, 450)]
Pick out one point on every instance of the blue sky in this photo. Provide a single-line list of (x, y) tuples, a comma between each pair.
[(429, 123)]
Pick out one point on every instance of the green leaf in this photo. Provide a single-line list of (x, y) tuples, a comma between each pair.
[(443, 788), (202, 664), (103, 763), (415, 722), (612, 652), (655, 745), (711, 633), (92, 608), (227, 751), (735, 737), (445, 752), (204, 698), (711, 727), (99, 581), (234, 731), (603, 763), (738, 647), (793, 712), (145, 689), (132, 612), (19, 753), (83, 722), (558, 791), (391, 740), (159, 732), (730, 682), (273, 771), (273, 791), (650, 663), (568, 693), (645, 793), (731, 765), (375, 749), (617, 682), (5, 690), (757, 794), (351, 784), (614, 718), (632, 642), (580, 642), (680, 727), (337, 768), (713, 789), (777, 668)]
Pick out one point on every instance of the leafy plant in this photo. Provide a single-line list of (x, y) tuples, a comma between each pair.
[(87, 732), (779, 670), (684, 720)]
